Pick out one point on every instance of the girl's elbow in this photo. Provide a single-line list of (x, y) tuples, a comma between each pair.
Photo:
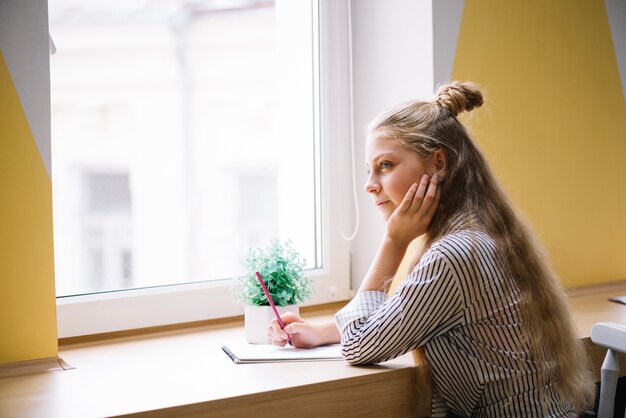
[(355, 357), (357, 361)]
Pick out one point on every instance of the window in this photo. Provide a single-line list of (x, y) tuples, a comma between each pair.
[(182, 134), (105, 250)]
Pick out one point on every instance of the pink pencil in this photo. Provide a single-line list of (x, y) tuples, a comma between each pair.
[(269, 298)]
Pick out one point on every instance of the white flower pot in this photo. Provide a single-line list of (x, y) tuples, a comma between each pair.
[(257, 318)]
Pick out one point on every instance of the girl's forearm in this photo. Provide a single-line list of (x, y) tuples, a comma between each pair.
[(384, 267)]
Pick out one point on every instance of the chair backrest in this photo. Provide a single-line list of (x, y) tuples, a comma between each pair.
[(613, 338)]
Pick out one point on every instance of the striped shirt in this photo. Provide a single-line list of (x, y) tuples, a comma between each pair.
[(463, 308)]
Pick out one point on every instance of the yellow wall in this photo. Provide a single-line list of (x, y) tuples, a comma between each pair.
[(27, 295), (554, 125)]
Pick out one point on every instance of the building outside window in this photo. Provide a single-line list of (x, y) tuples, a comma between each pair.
[(168, 157)]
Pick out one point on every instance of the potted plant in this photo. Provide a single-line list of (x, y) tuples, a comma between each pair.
[(281, 268)]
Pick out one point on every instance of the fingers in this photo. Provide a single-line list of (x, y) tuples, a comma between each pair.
[(276, 334), (296, 328), (430, 200), (419, 196), (289, 317), (414, 196), (435, 190), (408, 198), (279, 343), (280, 337)]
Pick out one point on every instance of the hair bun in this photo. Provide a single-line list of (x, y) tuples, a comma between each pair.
[(459, 97)]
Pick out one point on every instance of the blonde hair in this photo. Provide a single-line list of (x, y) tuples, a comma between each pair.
[(471, 187)]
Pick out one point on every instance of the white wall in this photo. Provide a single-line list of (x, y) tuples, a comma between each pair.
[(24, 44), (447, 16), (392, 61), (616, 10)]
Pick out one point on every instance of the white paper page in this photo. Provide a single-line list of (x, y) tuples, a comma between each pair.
[(261, 353)]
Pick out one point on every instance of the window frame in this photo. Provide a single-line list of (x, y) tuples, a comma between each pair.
[(180, 303)]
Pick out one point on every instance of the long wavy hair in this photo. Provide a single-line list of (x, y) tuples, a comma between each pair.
[(470, 187)]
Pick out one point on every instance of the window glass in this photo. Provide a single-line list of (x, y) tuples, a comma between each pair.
[(169, 148)]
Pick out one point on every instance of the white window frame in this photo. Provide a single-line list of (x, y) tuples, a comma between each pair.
[(149, 307)]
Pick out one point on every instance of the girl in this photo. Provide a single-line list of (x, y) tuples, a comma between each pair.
[(481, 299)]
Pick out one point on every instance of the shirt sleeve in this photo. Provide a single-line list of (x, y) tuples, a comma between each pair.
[(375, 328)]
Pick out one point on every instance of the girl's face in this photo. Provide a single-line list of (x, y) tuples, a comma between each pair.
[(392, 169)]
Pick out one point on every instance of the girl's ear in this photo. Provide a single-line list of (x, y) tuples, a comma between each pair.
[(441, 161)]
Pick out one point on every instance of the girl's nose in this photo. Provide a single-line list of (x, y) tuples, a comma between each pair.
[(372, 186)]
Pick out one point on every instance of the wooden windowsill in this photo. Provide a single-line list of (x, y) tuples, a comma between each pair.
[(183, 372)]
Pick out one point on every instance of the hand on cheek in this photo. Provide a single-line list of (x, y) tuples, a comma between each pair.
[(412, 217)]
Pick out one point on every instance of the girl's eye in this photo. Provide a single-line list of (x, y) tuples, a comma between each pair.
[(385, 165)]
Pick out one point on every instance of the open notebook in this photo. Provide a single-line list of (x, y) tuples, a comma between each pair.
[(259, 353)]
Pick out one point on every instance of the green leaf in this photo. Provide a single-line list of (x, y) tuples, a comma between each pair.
[(281, 267)]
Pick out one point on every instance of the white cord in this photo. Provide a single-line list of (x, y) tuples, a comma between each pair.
[(354, 194)]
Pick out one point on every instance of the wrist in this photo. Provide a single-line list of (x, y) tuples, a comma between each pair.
[(329, 333), (395, 244)]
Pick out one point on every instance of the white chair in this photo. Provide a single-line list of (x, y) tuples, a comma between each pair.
[(612, 337)]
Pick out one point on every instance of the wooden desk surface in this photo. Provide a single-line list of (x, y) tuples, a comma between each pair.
[(591, 305), (185, 373)]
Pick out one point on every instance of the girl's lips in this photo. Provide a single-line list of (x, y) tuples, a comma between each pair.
[(382, 203)]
